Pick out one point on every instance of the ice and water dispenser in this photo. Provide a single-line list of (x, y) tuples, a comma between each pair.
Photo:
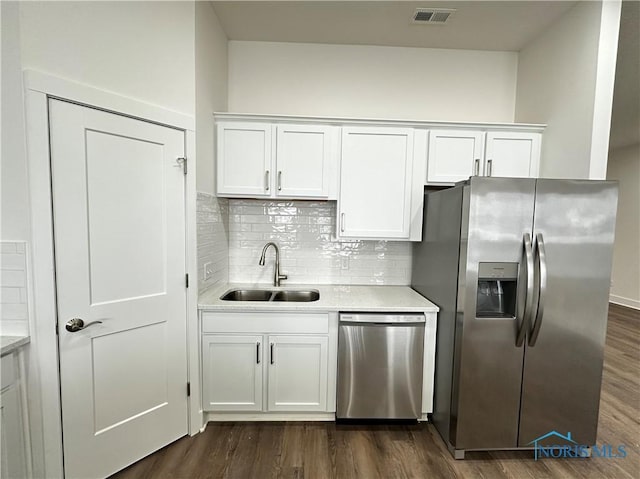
[(497, 290)]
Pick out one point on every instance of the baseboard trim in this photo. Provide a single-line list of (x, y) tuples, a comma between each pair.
[(257, 416), (622, 301)]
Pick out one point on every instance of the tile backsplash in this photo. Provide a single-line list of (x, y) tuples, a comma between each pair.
[(309, 250), (14, 303), (213, 242)]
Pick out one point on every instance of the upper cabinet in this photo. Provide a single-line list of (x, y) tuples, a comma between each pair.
[(376, 169), (377, 175), (306, 158), (455, 155), (244, 159), (512, 154), (265, 160)]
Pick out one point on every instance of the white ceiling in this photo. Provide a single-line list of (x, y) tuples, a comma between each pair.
[(476, 25)]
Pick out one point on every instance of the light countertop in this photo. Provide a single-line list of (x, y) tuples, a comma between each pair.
[(332, 298), (11, 343)]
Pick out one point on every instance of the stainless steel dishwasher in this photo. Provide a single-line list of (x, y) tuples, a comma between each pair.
[(380, 360)]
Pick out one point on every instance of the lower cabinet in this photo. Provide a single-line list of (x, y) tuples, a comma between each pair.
[(297, 373), (232, 371), (289, 371), (13, 447)]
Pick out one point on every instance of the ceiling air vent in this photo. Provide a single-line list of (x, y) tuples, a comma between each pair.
[(432, 16)]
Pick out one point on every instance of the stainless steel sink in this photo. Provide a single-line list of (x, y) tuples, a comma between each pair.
[(297, 296), (247, 295), (290, 295)]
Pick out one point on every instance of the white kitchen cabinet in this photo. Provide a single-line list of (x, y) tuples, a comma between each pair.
[(305, 161), (232, 369), (377, 197), (455, 155), (262, 159), (13, 446), (268, 362), (298, 367), (512, 154), (244, 159)]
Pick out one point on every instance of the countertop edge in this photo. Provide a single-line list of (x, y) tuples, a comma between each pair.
[(333, 298), (12, 343)]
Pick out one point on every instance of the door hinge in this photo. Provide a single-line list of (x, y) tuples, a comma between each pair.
[(183, 162), (186, 280), (188, 389)]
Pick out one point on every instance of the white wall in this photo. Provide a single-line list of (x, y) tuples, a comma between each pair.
[(371, 81), (143, 50), (624, 166), (211, 73), (565, 79), (211, 95), (14, 192)]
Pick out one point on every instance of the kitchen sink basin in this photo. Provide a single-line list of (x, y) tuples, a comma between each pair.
[(247, 295), (287, 295), (297, 296)]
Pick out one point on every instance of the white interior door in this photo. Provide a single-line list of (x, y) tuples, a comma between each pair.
[(119, 221)]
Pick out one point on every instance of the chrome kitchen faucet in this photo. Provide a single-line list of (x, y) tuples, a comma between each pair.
[(277, 277)]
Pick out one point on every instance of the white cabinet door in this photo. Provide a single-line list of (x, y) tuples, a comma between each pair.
[(244, 158), (232, 372), (512, 154), (305, 160), (298, 367), (12, 444), (13, 447), (454, 155), (375, 183)]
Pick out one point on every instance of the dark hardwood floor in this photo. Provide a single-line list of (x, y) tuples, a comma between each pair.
[(326, 450)]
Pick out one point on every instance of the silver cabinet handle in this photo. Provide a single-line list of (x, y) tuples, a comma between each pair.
[(266, 180), (542, 289), (477, 167), (258, 353), (342, 222), (271, 353), (77, 324), (489, 167), (528, 251), (279, 180)]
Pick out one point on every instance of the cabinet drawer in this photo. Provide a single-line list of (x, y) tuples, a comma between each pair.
[(8, 370), (248, 322)]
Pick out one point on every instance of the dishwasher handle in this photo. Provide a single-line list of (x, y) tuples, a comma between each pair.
[(386, 319)]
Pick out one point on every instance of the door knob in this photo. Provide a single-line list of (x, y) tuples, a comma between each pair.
[(77, 324)]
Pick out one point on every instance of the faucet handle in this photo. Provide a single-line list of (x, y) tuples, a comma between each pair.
[(278, 277)]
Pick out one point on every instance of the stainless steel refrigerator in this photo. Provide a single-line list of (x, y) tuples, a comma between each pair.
[(520, 269)]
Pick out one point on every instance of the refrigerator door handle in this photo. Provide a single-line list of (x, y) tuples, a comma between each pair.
[(528, 303), (542, 289)]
